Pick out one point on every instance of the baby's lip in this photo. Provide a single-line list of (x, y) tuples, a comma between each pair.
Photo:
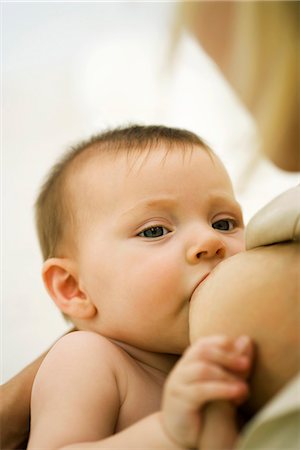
[(200, 282)]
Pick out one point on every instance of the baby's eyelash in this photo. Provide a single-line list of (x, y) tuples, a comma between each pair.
[(154, 232), (226, 224)]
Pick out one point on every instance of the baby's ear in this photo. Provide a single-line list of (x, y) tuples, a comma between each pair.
[(61, 280)]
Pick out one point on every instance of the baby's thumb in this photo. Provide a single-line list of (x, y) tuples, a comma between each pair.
[(245, 347)]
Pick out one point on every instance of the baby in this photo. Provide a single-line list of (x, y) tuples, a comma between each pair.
[(130, 223)]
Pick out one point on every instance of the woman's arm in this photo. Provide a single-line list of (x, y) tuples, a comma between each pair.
[(219, 426), (15, 406)]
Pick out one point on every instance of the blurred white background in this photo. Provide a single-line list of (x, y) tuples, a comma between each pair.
[(71, 69)]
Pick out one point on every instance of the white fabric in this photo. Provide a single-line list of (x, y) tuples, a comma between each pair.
[(277, 426)]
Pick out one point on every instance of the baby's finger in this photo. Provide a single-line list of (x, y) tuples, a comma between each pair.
[(245, 346), (218, 390), (205, 371), (201, 349), (232, 354), (221, 341), (230, 360)]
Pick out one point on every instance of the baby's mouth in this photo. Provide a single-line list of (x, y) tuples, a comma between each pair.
[(199, 284)]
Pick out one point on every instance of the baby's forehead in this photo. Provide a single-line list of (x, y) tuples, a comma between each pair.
[(96, 167), (103, 171), (99, 166), (101, 156)]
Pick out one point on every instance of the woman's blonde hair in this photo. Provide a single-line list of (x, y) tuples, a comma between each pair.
[(262, 65)]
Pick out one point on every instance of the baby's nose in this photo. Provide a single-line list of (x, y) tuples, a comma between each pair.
[(205, 247)]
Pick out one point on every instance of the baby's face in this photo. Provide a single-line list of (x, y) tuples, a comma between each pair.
[(151, 228)]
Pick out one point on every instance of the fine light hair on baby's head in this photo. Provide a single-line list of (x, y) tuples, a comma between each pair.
[(53, 210)]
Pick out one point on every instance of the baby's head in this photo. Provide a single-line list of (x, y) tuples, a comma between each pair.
[(129, 224), (55, 207)]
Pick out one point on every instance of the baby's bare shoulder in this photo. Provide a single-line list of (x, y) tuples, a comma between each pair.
[(80, 368), (85, 348), (83, 339), (75, 385)]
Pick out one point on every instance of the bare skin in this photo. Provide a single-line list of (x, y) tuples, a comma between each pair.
[(212, 368), (115, 382), (15, 396), (15, 407), (243, 300), (144, 219)]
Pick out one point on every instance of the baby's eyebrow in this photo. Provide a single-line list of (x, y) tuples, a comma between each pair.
[(223, 200), (150, 203), (227, 199)]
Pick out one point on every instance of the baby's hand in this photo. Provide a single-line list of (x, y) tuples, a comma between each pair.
[(213, 368)]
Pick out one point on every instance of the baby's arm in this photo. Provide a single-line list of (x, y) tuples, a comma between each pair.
[(75, 395), (198, 378)]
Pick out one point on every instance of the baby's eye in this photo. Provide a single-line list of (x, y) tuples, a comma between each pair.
[(224, 224), (154, 232)]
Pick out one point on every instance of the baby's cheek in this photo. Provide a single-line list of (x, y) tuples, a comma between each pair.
[(168, 281), (238, 245)]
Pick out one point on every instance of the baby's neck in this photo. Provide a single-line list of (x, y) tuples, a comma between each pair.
[(154, 363)]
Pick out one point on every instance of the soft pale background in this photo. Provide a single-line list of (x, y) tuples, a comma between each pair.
[(72, 69)]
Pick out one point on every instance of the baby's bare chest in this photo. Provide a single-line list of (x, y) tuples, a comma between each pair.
[(140, 394)]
